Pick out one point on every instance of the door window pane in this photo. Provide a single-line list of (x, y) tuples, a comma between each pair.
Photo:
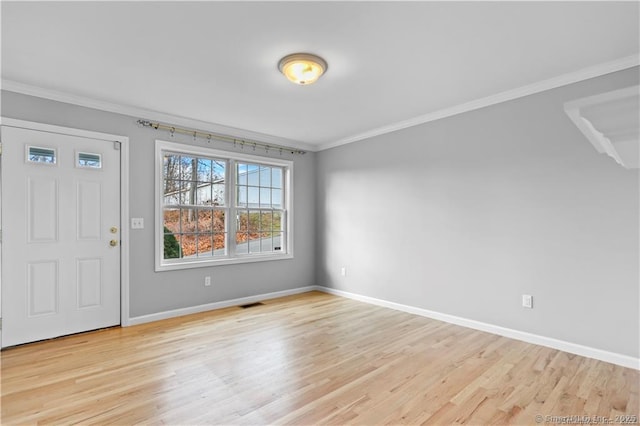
[(41, 155), (88, 160)]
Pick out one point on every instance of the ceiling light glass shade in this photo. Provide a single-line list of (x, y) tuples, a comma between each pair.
[(302, 68)]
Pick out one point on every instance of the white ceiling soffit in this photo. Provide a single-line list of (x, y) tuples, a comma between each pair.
[(213, 65), (611, 122)]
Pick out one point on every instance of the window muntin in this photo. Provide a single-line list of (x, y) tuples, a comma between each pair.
[(216, 207)]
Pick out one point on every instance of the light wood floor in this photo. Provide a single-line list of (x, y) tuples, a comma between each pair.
[(307, 359)]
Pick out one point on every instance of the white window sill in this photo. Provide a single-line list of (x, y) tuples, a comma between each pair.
[(205, 263)]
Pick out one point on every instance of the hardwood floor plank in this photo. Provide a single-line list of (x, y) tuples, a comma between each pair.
[(307, 359)]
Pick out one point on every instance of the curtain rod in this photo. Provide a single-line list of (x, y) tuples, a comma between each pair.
[(209, 136)]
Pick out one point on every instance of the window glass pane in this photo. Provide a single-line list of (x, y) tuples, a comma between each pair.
[(218, 221), (204, 169), (242, 196), (188, 169), (219, 244), (171, 244), (265, 176), (242, 174), (188, 244), (171, 220), (204, 193), (253, 196), (171, 167), (276, 198), (278, 239), (252, 174), (276, 177), (205, 221), (188, 221), (242, 243), (86, 159), (183, 192), (218, 170), (265, 197), (187, 192), (266, 242), (254, 223), (218, 195), (205, 245), (172, 192), (254, 231), (42, 155), (242, 221), (266, 220), (277, 221), (254, 244)]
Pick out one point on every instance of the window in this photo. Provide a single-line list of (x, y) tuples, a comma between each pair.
[(216, 207), (36, 154), (88, 160), (259, 211)]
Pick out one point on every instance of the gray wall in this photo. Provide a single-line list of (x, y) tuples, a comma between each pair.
[(464, 215), (151, 291)]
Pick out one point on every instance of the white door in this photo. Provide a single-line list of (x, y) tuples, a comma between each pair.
[(60, 235)]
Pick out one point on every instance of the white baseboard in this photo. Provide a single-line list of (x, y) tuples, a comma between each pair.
[(586, 351), (217, 305), (574, 348)]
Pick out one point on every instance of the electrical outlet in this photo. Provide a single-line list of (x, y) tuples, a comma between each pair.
[(137, 223), (207, 281), (343, 271), (527, 301)]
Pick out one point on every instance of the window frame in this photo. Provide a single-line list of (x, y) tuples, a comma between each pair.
[(231, 207)]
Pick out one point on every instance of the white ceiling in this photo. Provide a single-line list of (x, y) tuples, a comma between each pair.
[(389, 62)]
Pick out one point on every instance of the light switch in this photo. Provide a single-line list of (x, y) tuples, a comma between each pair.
[(137, 223)]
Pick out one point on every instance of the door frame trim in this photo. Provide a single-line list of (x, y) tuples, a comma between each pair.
[(124, 195)]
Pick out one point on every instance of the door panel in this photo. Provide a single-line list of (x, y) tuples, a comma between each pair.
[(89, 279), (42, 210), (89, 196), (42, 288), (60, 210)]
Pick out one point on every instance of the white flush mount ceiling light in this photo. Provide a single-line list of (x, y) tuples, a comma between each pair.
[(302, 68)]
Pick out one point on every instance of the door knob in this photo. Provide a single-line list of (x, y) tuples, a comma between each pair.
[(113, 243), (113, 229)]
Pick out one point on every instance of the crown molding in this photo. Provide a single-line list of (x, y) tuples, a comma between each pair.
[(610, 122), (530, 89), (141, 113)]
